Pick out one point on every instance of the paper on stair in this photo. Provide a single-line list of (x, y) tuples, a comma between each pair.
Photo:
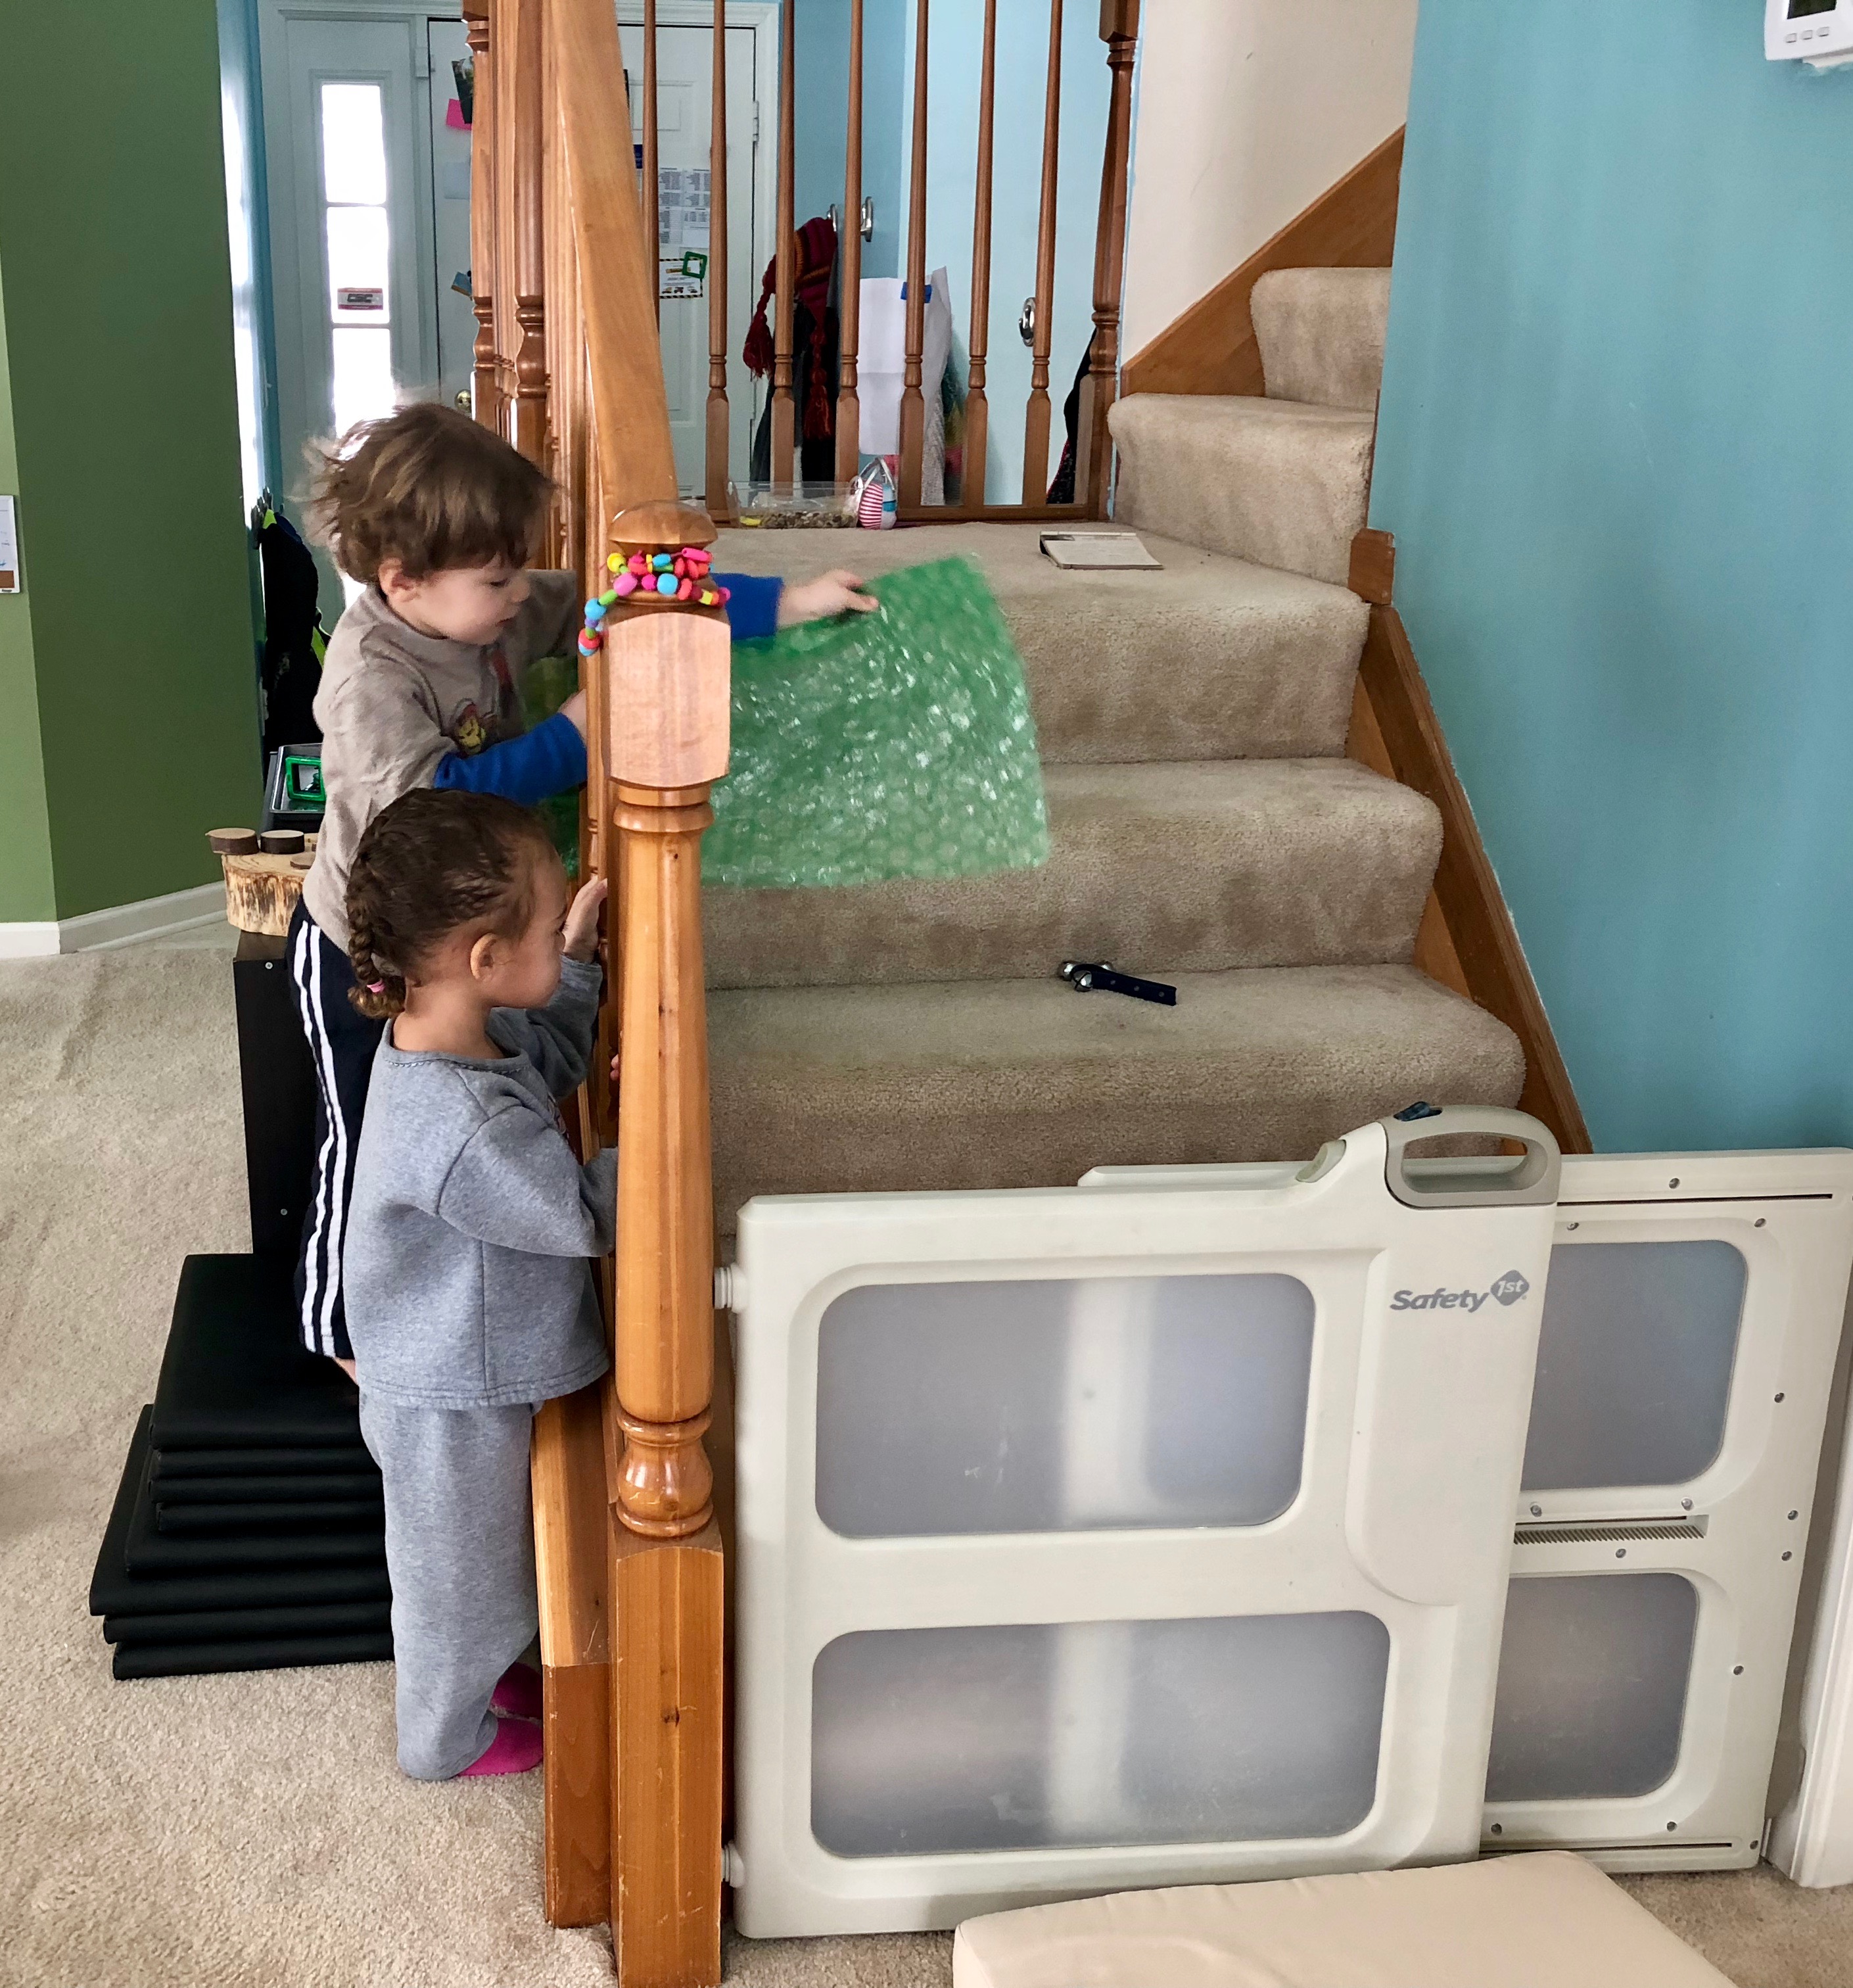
[(871, 746), (1089, 551)]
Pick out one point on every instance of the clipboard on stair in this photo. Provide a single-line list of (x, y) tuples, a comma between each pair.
[(1095, 551)]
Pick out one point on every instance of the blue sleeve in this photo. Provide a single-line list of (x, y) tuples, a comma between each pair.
[(550, 759), (754, 609)]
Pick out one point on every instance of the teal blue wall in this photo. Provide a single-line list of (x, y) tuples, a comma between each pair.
[(1616, 448), (822, 56)]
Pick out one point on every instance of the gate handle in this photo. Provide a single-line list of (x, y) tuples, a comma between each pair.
[(1482, 1180)]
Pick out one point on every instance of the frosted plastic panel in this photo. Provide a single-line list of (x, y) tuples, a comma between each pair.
[(1221, 1729), (1592, 1678), (1061, 1403), (354, 144), (1634, 1372)]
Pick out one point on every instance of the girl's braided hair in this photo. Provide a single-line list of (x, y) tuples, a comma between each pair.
[(427, 864)]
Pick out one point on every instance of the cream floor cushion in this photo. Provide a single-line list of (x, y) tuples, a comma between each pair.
[(1548, 1920)]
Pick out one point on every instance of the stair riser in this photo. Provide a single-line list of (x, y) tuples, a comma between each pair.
[(807, 1125), (1234, 478), (1301, 876), (1321, 334), (1173, 686)]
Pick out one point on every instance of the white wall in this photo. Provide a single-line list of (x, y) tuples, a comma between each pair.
[(1247, 111)]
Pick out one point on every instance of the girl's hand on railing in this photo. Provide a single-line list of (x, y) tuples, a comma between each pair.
[(581, 938), (574, 709), (834, 593)]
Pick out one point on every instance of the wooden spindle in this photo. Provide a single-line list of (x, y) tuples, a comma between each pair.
[(1036, 424), (1119, 31), (530, 413), (849, 248), (718, 451), (978, 408), (784, 406), (651, 197), (482, 222), (913, 403)]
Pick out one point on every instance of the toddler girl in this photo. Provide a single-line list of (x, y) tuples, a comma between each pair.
[(469, 1296)]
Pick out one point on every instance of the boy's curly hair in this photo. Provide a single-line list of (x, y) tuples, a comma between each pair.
[(429, 863), (430, 488)]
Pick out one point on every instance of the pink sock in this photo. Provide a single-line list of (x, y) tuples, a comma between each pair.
[(518, 1694), (515, 1749)]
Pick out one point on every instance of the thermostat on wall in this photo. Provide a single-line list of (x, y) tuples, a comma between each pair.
[(1817, 31)]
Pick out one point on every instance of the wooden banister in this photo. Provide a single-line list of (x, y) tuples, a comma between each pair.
[(913, 403), (978, 408), (849, 241), (784, 406), (1119, 31), (1035, 420), (720, 456)]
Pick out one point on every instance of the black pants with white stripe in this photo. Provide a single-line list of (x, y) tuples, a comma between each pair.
[(341, 1044)]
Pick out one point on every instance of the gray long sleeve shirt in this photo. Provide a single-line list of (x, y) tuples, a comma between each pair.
[(465, 1271)]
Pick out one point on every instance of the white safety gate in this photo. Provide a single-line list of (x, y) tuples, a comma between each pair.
[(1161, 1530), (1690, 1326)]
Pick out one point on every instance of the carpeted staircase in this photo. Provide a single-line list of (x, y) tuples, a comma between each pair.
[(1206, 826)]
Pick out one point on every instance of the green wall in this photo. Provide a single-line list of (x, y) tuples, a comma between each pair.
[(135, 641)]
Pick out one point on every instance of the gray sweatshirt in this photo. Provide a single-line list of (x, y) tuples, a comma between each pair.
[(394, 703), (465, 1271)]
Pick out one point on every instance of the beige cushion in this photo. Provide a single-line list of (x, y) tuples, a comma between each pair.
[(1548, 1920)]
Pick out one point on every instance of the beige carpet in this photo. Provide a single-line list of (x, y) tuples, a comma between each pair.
[(218, 1832)]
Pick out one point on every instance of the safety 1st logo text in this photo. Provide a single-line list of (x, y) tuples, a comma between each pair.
[(1507, 1290)]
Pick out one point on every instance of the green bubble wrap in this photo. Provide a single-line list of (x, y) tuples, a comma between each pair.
[(895, 744), (545, 684)]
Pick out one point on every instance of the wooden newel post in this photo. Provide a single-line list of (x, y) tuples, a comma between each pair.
[(666, 681)]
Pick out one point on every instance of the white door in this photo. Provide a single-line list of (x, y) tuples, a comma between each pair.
[(684, 95), (1687, 1348), (1152, 1531), (349, 162), (450, 103)]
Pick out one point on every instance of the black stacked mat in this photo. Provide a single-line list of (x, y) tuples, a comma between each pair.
[(247, 1532)]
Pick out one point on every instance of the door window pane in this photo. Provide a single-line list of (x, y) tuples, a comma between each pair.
[(1062, 1404), (363, 376), (1634, 1359), (358, 266), (1239, 1728), (353, 144), (1592, 1677)]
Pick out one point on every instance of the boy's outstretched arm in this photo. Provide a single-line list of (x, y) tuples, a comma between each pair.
[(761, 607), (550, 759)]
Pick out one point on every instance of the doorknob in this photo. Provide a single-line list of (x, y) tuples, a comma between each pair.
[(1026, 325), (464, 402)]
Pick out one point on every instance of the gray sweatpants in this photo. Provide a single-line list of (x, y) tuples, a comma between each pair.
[(460, 1550)]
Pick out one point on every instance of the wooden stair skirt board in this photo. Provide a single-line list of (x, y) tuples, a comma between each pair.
[(1211, 348), (1466, 939)]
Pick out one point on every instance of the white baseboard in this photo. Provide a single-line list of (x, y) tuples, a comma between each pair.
[(119, 924)]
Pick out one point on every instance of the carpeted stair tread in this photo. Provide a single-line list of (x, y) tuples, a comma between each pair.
[(114, 1591), (234, 1371), (1212, 658), (1321, 332), (1191, 867), (1277, 481), (1026, 1083)]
